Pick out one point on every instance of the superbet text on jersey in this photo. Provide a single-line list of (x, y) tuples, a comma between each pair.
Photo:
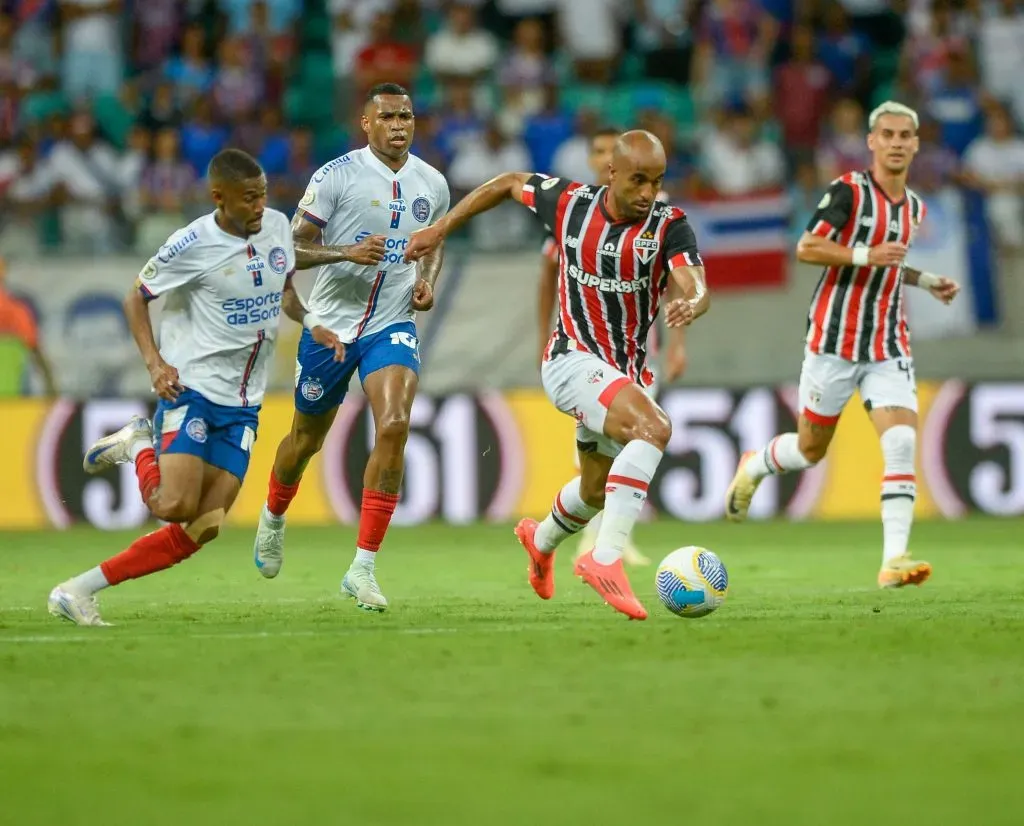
[(612, 274), (222, 304), (351, 198)]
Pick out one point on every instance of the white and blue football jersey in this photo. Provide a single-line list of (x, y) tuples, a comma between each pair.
[(355, 196), (219, 320)]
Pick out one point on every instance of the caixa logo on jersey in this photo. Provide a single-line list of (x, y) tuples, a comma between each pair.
[(463, 460), (111, 500), (394, 248)]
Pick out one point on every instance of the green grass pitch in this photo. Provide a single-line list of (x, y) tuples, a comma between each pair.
[(810, 698)]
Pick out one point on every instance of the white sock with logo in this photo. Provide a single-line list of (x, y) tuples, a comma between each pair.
[(899, 490), (624, 497)]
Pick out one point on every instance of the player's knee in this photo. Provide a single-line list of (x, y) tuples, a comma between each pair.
[(204, 529), (307, 441), (899, 443), (177, 508), (393, 427), (655, 429)]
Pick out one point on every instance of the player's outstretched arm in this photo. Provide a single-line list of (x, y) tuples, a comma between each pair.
[(691, 282), (165, 378), (814, 249), (484, 197), (295, 308), (310, 252), (546, 298), (943, 288)]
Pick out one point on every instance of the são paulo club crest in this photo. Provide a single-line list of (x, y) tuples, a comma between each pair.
[(278, 260), (421, 209)]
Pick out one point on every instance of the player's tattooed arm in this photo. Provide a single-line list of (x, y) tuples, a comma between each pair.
[(311, 252), (944, 289), (484, 197)]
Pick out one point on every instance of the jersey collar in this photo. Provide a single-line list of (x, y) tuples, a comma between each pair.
[(884, 194), (383, 168)]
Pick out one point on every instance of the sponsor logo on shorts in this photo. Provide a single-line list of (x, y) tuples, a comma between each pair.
[(195, 429), (421, 209), (594, 376), (278, 260), (311, 390), (550, 182)]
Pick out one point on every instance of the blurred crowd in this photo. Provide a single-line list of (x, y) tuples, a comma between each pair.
[(111, 109)]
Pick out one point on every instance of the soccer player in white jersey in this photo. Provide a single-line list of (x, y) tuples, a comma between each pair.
[(602, 147), (226, 279), (354, 222), (857, 334)]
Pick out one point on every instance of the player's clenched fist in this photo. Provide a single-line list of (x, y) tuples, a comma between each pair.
[(422, 295), (165, 381), (678, 313), (423, 242), (325, 338), (368, 251), (889, 254)]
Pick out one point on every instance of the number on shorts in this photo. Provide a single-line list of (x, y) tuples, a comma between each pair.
[(248, 439), (408, 339), (906, 368)]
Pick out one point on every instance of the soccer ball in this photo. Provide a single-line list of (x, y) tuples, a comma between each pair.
[(692, 582)]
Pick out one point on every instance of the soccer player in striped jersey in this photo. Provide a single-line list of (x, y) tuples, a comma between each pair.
[(602, 145), (620, 251), (225, 280), (857, 334), (354, 222)]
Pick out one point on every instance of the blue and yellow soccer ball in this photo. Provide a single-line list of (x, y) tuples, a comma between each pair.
[(692, 582)]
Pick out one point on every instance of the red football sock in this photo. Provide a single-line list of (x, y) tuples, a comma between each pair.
[(279, 496), (374, 518), (149, 554), (148, 471)]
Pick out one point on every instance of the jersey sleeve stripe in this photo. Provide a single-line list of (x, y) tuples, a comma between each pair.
[(685, 259), (529, 197), (313, 219), (823, 229), (147, 294)]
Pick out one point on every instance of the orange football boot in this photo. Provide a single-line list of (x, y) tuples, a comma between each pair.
[(611, 583), (542, 566)]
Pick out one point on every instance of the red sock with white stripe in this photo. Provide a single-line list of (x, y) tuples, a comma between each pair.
[(899, 490), (624, 497), (780, 455), (569, 515)]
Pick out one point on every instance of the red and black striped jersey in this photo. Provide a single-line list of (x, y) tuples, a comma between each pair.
[(549, 250), (611, 274), (858, 313)]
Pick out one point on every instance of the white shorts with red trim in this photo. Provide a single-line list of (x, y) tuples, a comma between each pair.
[(827, 382), (583, 386)]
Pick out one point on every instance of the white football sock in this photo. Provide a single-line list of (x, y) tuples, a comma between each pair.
[(569, 514), (780, 455), (365, 558), (88, 583), (899, 490), (624, 497)]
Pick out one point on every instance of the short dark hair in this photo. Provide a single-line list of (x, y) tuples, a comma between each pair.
[(605, 132), (386, 89), (233, 165)]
